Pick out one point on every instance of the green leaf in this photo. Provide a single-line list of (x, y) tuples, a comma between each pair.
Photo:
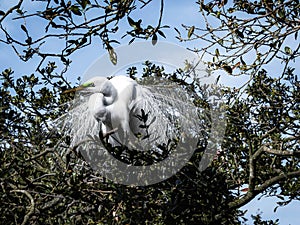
[(19, 11), (73, 41), (132, 40), (191, 31), (154, 39), (161, 33), (131, 22), (217, 53), (24, 28), (205, 7), (83, 3), (239, 34), (231, 10), (75, 9), (288, 50), (112, 56), (220, 41), (281, 13), (218, 14), (227, 68), (177, 30)]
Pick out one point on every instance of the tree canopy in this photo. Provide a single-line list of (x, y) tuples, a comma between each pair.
[(46, 183)]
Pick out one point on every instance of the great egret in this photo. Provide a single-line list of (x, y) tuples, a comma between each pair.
[(146, 114), (110, 101)]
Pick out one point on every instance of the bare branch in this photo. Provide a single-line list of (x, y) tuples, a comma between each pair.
[(11, 10)]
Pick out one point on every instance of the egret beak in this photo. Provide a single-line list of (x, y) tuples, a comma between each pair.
[(79, 88)]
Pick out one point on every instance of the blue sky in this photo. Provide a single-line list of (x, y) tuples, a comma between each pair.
[(176, 12)]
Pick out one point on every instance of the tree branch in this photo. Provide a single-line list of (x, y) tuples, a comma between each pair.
[(274, 180), (260, 188), (280, 153), (11, 10), (32, 205)]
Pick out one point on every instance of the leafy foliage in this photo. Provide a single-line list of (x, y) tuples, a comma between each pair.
[(43, 181), (43, 185)]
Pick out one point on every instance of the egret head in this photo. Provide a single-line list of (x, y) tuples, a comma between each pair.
[(98, 85)]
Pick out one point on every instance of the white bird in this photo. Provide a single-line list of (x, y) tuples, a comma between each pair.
[(111, 101), (142, 115)]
